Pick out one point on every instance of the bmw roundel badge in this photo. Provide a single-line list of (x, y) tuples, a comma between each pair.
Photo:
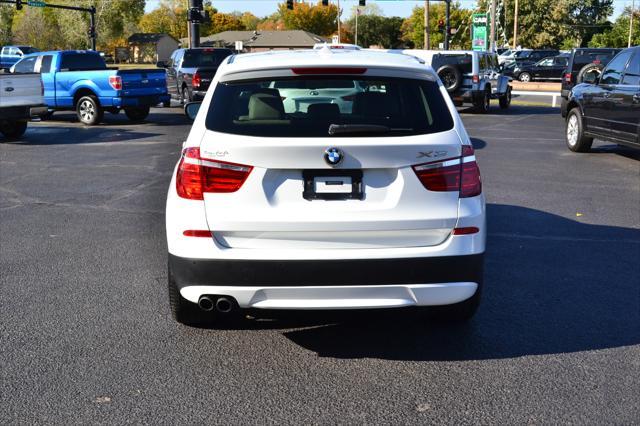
[(333, 156)]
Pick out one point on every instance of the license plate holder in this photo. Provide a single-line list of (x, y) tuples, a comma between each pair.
[(325, 179)]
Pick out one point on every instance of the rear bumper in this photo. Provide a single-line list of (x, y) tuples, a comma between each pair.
[(140, 101), (329, 284), (23, 112), (198, 95)]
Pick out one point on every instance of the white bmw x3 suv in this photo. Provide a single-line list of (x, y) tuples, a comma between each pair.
[(309, 204)]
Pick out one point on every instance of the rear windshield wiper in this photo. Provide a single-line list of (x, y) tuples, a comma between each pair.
[(339, 129)]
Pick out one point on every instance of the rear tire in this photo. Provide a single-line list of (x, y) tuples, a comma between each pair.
[(458, 312), (89, 110), (505, 100), (525, 77), (137, 113), (13, 129), (587, 69), (483, 102), (574, 133), (185, 96), (182, 310)]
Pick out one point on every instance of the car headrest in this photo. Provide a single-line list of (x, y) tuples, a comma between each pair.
[(266, 104), (372, 104), (324, 111)]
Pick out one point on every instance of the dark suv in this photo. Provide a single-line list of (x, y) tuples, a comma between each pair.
[(190, 71), (607, 106), (583, 61)]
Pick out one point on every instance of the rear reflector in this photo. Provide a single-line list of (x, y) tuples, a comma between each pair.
[(197, 233), (328, 70), (466, 231), (458, 174), (475, 78), (567, 77), (197, 176)]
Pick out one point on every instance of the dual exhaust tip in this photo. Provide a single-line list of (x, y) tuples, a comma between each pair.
[(221, 304)]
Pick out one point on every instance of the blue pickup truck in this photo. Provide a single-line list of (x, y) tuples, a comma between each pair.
[(79, 80), (9, 55)]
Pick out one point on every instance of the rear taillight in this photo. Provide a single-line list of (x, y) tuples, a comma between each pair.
[(196, 80), (459, 174), (115, 81), (475, 78), (197, 176), (567, 77)]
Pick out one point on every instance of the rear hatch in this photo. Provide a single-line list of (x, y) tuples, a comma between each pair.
[(143, 82), (288, 183)]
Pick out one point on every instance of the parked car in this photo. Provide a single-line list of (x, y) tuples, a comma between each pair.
[(607, 106), (551, 68), (508, 56), (20, 100), (80, 80), (470, 77), (190, 71), (271, 208), (529, 56), (583, 61), (9, 55)]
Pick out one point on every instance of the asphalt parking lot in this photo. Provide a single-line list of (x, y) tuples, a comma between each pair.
[(86, 335)]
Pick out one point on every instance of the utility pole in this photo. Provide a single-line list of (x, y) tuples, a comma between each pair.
[(357, 13), (633, 8), (515, 26), (447, 25), (427, 30), (492, 36), (338, 21)]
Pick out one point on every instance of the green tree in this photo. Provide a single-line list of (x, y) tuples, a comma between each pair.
[(460, 19), (317, 19), (249, 21), (618, 35), (37, 27), (377, 30)]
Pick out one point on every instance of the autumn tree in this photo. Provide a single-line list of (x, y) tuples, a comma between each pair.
[(377, 30), (6, 22), (224, 22), (460, 19), (618, 34), (317, 19)]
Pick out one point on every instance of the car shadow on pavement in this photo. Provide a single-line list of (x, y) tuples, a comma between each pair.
[(52, 135), (552, 285), (624, 151), (478, 143)]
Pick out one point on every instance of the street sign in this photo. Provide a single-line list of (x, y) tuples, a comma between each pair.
[(239, 45), (35, 3), (479, 36)]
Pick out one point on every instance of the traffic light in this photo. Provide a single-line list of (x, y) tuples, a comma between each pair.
[(290, 4), (325, 2), (441, 24), (362, 3), (18, 4)]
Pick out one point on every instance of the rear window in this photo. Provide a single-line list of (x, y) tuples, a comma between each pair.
[(82, 62), (204, 58), (308, 107), (27, 50), (584, 57), (462, 62)]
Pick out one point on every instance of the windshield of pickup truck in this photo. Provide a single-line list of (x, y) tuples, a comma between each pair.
[(82, 62), (204, 58)]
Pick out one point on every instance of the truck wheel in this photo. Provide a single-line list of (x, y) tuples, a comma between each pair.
[(588, 69), (13, 129), (186, 96), (137, 113), (576, 141), (458, 312), (89, 111), (450, 76), (483, 102), (505, 100), (525, 77)]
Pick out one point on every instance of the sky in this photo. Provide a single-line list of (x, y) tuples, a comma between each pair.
[(389, 7)]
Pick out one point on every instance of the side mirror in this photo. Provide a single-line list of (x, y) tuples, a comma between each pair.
[(191, 109), (161, 64), (591, 78)]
